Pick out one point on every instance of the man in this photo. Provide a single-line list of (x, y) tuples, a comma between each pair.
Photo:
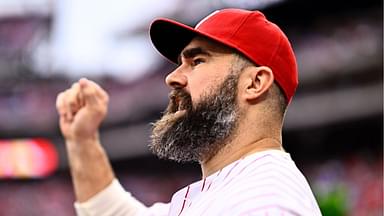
[(236, 75)]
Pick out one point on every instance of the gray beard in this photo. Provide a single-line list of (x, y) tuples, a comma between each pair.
[(203, 130)]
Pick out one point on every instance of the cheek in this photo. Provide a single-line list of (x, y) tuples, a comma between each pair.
[(197, 92), (203, 82)]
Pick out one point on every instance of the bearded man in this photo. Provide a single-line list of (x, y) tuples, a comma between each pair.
[(236, 76)]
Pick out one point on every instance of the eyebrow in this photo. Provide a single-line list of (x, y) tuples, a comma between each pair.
[(192, 52)]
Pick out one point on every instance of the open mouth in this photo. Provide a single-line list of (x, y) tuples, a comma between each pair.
[(178, 104)]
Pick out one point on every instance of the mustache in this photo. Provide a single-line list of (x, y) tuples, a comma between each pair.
[(179, 99)]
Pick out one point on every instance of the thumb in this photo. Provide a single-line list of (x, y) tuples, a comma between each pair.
[(92, 94), (94, 98)]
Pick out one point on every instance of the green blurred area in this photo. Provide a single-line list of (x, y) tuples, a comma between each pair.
[(334, 202)]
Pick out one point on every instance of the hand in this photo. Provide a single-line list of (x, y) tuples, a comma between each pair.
[(82, 108)]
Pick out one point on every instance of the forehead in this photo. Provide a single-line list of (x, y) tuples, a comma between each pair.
[(208, 45)]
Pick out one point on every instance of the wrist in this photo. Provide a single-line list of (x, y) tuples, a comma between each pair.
[(83, 142)]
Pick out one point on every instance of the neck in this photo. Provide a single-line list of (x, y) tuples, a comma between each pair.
[(235, 151)]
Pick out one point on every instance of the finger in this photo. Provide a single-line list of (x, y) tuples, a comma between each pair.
[(92, 93), (80, 96), (98, 90), (67, 104), (75, 97), (72, 101), (60, 104), (62, 107)]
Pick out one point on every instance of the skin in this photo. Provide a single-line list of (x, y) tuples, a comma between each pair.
[(83, 107)]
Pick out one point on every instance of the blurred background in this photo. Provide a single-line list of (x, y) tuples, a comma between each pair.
[(333, 130)]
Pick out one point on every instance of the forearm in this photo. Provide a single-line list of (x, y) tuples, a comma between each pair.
[(90, 169), (113, 200)]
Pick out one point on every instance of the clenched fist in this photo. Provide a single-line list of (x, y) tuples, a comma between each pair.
[(81, 108)]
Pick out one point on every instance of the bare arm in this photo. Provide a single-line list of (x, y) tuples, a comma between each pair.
[(82, 108)]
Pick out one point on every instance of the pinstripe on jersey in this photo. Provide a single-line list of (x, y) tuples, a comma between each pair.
[(265, 183)]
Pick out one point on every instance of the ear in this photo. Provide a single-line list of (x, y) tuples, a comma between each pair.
[(257, 81)]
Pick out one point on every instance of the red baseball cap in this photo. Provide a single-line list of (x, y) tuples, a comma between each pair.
[(249, 32)]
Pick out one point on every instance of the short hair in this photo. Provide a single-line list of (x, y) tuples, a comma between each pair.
[(240, 62)]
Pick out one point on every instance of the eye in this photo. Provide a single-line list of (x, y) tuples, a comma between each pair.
[(197, 61)]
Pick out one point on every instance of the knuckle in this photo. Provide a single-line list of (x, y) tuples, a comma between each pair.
[(88, 91), (106, 98), (72, 103), (60, 100)]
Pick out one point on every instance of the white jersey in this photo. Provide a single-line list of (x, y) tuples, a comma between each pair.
[(264, 183)]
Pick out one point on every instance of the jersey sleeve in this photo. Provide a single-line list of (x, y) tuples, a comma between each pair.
[(114, 200)]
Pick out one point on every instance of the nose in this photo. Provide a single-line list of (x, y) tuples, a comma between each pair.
[(176, 79)]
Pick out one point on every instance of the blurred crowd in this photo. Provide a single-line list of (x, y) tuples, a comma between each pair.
[(340, 58), (351, 187)]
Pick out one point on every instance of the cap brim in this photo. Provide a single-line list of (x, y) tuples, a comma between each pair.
[(170, 37)]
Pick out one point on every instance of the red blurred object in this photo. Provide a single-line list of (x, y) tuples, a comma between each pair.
[(27, 158)]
